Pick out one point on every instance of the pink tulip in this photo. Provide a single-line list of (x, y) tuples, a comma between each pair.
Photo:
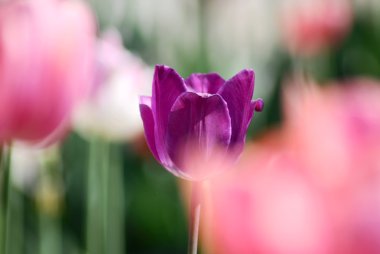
[(336, 130), (266, 206), (46, 65), (312, 187), (313, 25)]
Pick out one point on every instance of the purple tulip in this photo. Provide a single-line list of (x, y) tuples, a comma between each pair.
[(203, 113)]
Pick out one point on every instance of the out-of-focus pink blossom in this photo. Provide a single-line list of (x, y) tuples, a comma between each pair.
[(266, 206), (46, 65), (313, 25), (312, 187), (337, 128), (335, 132)]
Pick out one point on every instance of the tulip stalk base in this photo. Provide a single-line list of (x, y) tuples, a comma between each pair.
[(5, 198), (194, 219), (105, 197)]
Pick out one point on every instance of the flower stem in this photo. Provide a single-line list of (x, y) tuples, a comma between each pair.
[(95, 228), (115, 205), (5, 195), (105, 197), (105, 172), (194, 219), (50, 201), (50, 234)]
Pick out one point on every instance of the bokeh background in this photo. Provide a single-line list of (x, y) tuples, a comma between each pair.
[(53, 189)]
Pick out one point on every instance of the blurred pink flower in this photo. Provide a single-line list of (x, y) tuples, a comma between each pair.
[(336, 130), (46, 65), (266, 206), (311, 187), (313, 25)]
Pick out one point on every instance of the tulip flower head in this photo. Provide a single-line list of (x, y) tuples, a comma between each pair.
[(202, 115), (310, 26), (46, 65)]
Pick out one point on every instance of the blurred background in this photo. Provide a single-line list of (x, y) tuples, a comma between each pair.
[(101, 176)]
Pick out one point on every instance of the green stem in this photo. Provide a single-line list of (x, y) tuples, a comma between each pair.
[(51, 181), (94, 208), (15, 226), (105, 170), (115, 205), (105, 197), (194, 219), (50, 234), (6, 199)]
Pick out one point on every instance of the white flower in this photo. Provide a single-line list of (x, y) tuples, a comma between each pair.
[(112, 112), (27, 163)]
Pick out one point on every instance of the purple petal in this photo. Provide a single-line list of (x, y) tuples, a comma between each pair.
[(148, 121), (167, 86), (197, 123), (238, 92), (205, 83)]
